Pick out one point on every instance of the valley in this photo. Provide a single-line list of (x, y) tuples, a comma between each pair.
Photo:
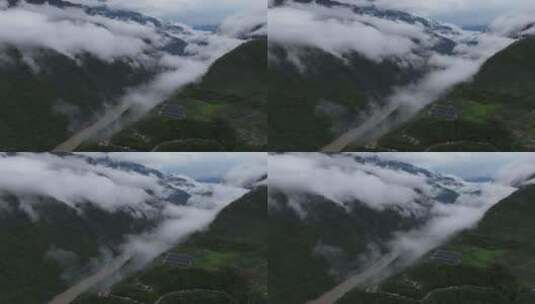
[(145, 235), (82, 96)]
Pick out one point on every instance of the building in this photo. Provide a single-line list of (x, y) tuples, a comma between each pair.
[(173, 111), (444, 111), (178, 260), (446, 257)]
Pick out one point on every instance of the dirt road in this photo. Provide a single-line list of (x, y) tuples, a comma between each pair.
[(75, 291), (77, 139), (333, 295), (364, 130)]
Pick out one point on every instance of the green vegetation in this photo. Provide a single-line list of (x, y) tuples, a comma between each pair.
[(479, 113), (298, 272), (40, 107), (229, 263), (498, 263), (225, 111), (496, 110), (28, 272), (199, 297), (358, 296), (313, 102)]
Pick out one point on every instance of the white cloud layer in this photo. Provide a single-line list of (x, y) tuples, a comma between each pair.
[(339, 32), (73, 181), (516, 25), (345, 181), (48, 27), (379, 185), (519, 172), (250, 24), (73, 32)]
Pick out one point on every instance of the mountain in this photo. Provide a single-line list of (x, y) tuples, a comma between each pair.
[(491, 263), (229, 262), (34, 102), (493, 112), (75, 213), (56, 86), (318, 92), (318, 240), (224, 111), (60, 238)]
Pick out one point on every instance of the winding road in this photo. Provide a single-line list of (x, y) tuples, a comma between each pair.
[(75, 291)]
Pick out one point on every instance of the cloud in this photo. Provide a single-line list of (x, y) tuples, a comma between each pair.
[(73, 182), (345, 181), (246, 175), (444, 72), (73, 32), (179, 222), (77, 179), (26, 28), (379, 184), (446, 221), (514, 25), (519, 172), (463, 164), (245, 25), (339, 31)]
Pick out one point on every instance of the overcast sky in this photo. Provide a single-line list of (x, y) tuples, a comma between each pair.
[(462, 12), (464, 164), (193, 12)]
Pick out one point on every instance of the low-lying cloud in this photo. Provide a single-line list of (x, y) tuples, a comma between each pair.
[(74, 32), (339, 31), (242, 25), (516, 25), (75, 180), (421, 45), (378, 183), (71, 32), (344, 181), (518, 173)]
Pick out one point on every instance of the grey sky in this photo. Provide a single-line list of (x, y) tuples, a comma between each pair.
[(463, 164), (194, 12), (461, 12), (196, 165)]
